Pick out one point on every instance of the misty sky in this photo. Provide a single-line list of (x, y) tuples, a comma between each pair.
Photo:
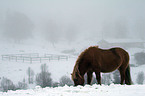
[(85, 18)]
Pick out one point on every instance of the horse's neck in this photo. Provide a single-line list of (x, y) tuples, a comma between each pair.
[(81, 70)]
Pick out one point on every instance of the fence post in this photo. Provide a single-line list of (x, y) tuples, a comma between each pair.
[(23, 59), (9, 58), (67, 58), (16, 58), (40, 59), (30, 60)]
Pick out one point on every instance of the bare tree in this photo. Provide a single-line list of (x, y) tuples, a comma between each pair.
[(30, 73), (44, 78)]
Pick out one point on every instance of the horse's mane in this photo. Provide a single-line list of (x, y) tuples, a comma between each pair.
[(80, 56), (79, 59)]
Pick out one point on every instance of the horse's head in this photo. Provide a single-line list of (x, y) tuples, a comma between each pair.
[(77, 78)]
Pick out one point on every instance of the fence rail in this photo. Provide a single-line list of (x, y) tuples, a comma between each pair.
[(33, 57)]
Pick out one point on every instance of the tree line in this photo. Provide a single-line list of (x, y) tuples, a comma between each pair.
[(18, 26)]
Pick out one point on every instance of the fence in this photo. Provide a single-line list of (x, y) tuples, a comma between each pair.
[(33, 57)]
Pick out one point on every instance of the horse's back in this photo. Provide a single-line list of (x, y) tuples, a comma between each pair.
[(109, 59), (121, 52)]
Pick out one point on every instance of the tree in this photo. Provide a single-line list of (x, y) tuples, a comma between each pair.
[(30, 73), (140, 78), (44, 78), (64, 80), (17, 26)]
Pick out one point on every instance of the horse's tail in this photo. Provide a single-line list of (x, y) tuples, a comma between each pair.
[(128, 80)]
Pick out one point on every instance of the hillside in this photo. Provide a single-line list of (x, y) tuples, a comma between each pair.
[(17, 71)]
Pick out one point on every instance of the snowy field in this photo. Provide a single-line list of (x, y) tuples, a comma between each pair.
[(16, 71), (94, 90)]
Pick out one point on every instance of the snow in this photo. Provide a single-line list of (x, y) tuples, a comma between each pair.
[(94, 90), (16, 71)]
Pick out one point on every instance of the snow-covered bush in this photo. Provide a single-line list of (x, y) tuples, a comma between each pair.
[(44, 78), (55, 84), (7, 84), (22, 85), (64, 80)]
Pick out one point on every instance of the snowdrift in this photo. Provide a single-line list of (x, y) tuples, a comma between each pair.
[(94, 90)]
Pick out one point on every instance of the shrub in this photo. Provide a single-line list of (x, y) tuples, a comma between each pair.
[(22, 85), (64, 80), (55, 84), (44, 78), (7, 84)]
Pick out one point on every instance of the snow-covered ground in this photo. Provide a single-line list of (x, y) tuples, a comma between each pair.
[(94, 90), (16, 71)]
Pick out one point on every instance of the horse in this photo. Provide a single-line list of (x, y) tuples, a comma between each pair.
[(95, 59)]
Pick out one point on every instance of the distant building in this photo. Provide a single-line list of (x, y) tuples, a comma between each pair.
[(124, 43)]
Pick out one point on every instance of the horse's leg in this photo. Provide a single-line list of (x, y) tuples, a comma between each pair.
[(89, 77), (122, 75), (98, 77)]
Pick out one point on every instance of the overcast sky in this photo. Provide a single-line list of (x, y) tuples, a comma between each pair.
[(89, 18)]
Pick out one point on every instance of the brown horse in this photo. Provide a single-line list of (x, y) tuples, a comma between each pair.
[(98, 60)]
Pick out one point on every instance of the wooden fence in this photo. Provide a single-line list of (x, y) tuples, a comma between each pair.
[(33, 57)]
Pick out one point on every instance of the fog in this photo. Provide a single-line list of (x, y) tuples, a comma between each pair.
[(71, 20)]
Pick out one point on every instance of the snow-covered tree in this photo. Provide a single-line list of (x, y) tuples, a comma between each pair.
[(44, 78), (30, 73)]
